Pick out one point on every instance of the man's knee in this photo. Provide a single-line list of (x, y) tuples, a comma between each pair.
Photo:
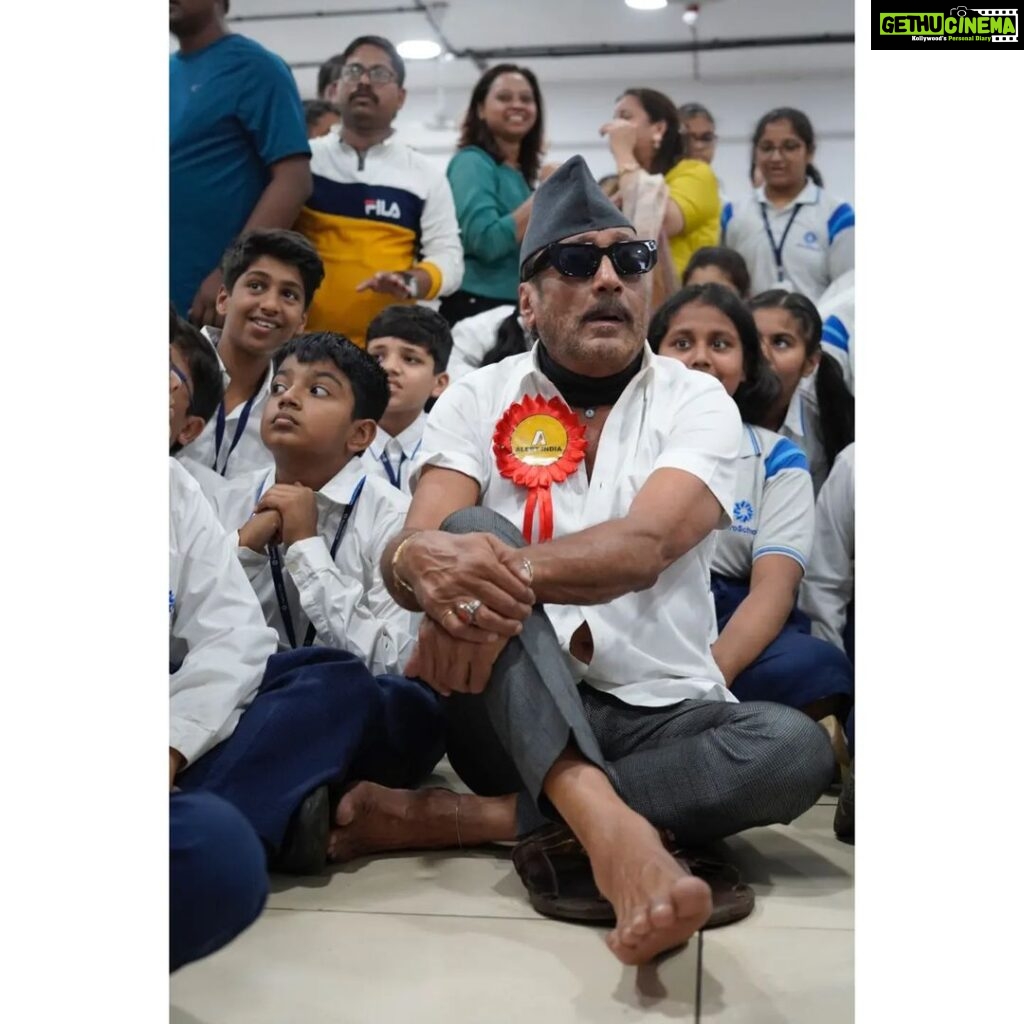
[(484, 520)]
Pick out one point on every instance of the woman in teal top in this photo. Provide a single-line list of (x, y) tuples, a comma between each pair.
[(493, 175)]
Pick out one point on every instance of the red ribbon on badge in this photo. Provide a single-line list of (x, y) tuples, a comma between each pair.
[(539, 442)]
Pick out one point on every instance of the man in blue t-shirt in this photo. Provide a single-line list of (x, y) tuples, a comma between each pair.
[(239, 155)]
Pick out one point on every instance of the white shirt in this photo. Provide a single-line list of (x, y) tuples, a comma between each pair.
[(218, 636), (472, 338), (344, 598), (241, 450), (393, 456), (653, 647), (836, 308), (818, 246), (827, 589), (774, 509), (802, 425)]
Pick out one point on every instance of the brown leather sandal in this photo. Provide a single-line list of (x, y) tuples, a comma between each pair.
[(555, 869)]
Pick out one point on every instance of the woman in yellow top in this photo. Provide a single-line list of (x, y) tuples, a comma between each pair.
[(645, 135)]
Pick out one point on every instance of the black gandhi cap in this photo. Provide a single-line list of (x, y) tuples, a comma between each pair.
[(568, 203)]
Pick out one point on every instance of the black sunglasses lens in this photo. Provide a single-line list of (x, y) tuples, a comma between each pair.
[(632, 258), (576, 260)]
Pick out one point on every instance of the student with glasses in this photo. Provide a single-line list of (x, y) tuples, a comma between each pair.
[(559, 543), (381, 215), (701, 137), (792, 233)]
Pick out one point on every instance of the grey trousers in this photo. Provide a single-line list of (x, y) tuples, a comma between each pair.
[(704, 769)]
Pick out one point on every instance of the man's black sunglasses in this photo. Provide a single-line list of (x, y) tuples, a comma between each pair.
[(581, 259)]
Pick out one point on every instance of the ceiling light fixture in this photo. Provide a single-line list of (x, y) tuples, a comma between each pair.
[(647, 5), (691, 14), (419, 49)]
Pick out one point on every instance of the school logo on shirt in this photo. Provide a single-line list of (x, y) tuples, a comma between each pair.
[(381, 208), (959, 27), (743, 511)]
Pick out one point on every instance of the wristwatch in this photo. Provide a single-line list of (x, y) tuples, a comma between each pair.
[(412, 285)]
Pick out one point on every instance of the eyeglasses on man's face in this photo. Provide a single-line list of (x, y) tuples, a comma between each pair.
[(379, 74)]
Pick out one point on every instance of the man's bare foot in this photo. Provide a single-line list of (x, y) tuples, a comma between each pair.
[(658, 903), (375, 819)]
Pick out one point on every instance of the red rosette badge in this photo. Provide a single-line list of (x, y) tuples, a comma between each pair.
[(538, 442)]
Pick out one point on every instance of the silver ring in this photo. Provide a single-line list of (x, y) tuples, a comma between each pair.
[(528, 565), (469, 609)]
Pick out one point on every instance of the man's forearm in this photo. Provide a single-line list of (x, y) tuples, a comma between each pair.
[(599, 564)]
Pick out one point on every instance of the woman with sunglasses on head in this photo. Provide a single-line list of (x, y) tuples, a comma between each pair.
[(764, 647), (646, 141), (814, 407), (493, 175), (792, 233)]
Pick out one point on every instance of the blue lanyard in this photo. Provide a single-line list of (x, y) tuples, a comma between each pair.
[(396, 478), (275, 570), (777, 249), (239, 430)]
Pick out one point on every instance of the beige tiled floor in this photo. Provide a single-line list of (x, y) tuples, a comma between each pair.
[(450, 938)]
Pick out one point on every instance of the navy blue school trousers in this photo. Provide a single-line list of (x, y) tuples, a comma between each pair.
[(218, 875), (319, 717), (795, 669)]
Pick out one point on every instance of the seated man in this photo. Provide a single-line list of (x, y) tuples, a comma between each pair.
[(576, 653)]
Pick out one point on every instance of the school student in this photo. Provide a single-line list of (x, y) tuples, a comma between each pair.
[(792, 233), (764, 647), (836, 308), (719, 265), (270, 277), (412, 344), (197, 387), (484, 339), (312, 527), (814, 408), (270, 733)]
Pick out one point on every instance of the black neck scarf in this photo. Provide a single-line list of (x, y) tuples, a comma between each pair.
[(586, 392)]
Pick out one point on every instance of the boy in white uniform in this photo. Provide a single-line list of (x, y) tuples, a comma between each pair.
[(311, 529), (270, 277), (413, 344), (579, 669), (321, 717)]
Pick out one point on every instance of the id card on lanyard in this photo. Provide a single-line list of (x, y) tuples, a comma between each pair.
[(780, 270), (276, 572)]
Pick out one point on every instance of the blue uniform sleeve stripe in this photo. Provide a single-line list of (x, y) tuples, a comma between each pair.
[(785, 455), (841, 219), (726, 217), (781, 549), (835, 333)]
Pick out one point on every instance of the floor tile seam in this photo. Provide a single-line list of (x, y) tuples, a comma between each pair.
[(409, 913)]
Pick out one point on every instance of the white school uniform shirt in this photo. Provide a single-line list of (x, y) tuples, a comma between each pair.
[(827, 588), (773, 513), (836, 309), (818, 244), (802, 426), (248, 452), (395, 454), (651, 648), (218, 637), (344, 598), (472, 338)]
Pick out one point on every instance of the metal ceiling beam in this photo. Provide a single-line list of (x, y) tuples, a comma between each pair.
[(352, 12), (664, 46)]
